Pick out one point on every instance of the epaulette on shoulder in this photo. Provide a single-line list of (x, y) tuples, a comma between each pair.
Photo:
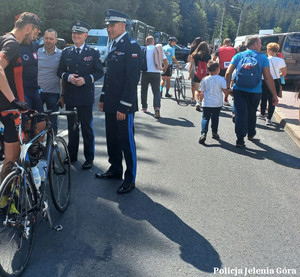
[(69, 47), (132, 40)]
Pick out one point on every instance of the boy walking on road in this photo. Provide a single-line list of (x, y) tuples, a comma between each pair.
[(212, 87)]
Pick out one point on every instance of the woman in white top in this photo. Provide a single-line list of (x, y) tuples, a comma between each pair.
[(277, 69)]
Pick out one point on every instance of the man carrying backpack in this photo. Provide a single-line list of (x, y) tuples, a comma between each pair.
[(247, 89)]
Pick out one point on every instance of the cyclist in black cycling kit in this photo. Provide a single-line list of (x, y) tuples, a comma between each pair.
[(26, 29)]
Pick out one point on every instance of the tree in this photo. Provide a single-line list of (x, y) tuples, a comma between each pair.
[(277, 30)]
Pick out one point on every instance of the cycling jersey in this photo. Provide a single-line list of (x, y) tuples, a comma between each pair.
[(30, 66), (10, 51), (169, 52)]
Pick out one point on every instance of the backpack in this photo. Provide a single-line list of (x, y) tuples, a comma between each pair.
[(201, 70), (248, 72)]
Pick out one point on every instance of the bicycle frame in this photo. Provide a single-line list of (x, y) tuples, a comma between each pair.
[(24, 157)]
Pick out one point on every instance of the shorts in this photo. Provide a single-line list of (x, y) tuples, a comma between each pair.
[(196, 79), (168, 73), (10, 119), (33, 99)]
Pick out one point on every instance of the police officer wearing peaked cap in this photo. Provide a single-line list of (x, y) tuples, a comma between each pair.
[(79, 68), (119, 100)]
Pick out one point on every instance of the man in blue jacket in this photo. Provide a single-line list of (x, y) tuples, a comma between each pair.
[(119, 100), (79, 67)]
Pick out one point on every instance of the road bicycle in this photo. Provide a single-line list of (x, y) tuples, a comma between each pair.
[(26, 198), (179, 86)]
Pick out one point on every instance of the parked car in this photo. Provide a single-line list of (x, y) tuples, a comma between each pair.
[(181, 53)]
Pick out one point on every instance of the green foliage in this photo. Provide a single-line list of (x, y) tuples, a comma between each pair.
[(185, 19), (277, 30)]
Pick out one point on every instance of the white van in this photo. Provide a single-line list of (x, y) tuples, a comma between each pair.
[(238, 40), (98, 38)]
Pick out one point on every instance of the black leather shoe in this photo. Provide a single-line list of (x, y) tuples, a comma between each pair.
[(108, 175), (125, 188), (87, 165), (66, 160)]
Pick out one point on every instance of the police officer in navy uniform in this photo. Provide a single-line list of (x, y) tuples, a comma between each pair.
[(79, 68), (119, 100)]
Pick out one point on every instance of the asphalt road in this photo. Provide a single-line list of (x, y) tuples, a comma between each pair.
[(195, 208)]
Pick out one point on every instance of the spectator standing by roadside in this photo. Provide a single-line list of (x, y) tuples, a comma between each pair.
[(212, 87), (119, 100), (193, 47), (169, 51), (26, 29), (277, 69), (247, 97), (48, 81), (80, 67), (152, 59), (242, 47), (225, 54), (201, 54)]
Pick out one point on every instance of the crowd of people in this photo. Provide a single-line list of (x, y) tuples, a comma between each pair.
[(31, 77), (247, 92)]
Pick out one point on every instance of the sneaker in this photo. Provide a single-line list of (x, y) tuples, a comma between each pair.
[(268, 122), (3, 204), (202, 139), (144, 110), (13, 210), (157, 114), (226, 103), (198, 107), (240, 144), (168, 95), (261, 116), (215, 136)]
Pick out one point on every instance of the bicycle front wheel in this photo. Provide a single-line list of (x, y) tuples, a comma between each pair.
[(183, 88), (177, 90), (17, 223), (60, 175)]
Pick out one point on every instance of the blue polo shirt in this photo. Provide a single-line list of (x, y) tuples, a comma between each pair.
[(263, 62)]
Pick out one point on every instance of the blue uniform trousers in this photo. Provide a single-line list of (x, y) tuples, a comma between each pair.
[(85, 118), (120, 140)]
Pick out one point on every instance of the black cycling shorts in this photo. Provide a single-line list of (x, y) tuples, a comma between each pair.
[(10, 119), (169, 71)]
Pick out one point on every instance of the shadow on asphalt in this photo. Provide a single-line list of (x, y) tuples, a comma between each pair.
[(194, 248), (267, 152), (172, 121)]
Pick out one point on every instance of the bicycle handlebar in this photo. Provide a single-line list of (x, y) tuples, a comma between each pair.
[(48, 114)]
